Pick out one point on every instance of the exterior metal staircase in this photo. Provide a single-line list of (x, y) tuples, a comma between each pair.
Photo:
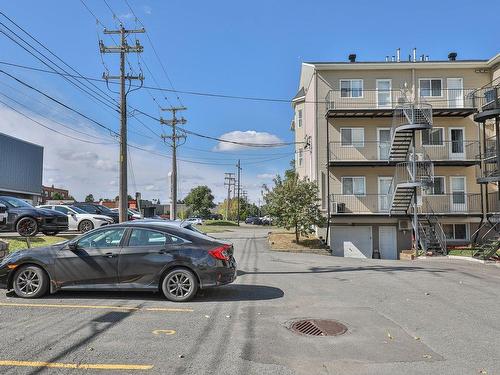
[(431, 234), (407, 118)]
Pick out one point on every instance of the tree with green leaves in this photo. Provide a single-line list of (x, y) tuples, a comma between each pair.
[(57, 196), (200, 200), (294, 204), (89, 198)]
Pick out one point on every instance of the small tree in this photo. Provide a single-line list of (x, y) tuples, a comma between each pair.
[(293, 203), (57, 196), (200, 200), (89, 198)]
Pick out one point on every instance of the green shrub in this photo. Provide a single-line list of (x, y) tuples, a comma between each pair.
[(220, 222)]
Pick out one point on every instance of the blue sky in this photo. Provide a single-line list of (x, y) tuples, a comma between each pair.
[(229, 47)]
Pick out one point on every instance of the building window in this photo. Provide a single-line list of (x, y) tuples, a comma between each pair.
[(354, 137), (351, 88), (431, 87), (433, 137), (455, 231), (299, 118), (437, 187), (353, 185), (300, 157)]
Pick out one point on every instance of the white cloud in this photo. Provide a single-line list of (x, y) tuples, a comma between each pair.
[(249, 136), (147, 9), (266, 176)]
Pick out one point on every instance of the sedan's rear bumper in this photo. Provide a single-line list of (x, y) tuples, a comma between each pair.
[(222, 275)]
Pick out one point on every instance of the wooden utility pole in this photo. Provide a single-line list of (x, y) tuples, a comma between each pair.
[(123, 49), (175, 141), (229, 182), (238, 166)]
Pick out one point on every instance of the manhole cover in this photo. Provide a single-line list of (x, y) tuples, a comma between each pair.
[(318, 327)]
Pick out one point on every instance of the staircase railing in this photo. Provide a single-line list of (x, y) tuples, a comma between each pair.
[(438, 229)]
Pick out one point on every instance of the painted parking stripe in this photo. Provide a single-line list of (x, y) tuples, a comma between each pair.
[(104, 307), (87, 366)]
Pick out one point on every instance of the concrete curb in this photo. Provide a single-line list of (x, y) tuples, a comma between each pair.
[(467, 259)]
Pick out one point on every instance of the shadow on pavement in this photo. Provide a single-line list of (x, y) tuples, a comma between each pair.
[(334, 269), (232, 292)]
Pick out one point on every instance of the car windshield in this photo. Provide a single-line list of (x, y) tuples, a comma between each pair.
[(78, 210), (16, 203)]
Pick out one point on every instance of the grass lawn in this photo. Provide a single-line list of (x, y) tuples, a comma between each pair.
[(213, 228), (224, 223), (17, 243), (461, 252)]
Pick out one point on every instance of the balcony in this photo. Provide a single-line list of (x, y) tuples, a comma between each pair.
[(377, 153), (494, 203), (381, 103), (487, 102), (489, 171), (379, 204)]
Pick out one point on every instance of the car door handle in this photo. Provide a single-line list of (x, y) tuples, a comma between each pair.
[(109, 255)]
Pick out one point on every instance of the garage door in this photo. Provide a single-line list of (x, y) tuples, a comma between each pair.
[(353, 242), (387, 242)]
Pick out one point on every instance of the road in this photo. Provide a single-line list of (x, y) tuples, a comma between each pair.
[(421, 317)]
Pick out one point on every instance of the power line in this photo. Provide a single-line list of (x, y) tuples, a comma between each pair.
[(197, 93)]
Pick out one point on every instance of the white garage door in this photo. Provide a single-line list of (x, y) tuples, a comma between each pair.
[(387, 242), (353, 242)]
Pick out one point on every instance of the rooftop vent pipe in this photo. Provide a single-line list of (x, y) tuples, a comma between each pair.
[(452, 56), (352, 57), (398, 55), (414, 54)]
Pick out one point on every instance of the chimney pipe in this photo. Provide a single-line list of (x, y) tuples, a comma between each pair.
[(452, 56), (426, 57), (422, 57), (414, 54), (393, 58), (387, 59), (398, 55), (352, 57)]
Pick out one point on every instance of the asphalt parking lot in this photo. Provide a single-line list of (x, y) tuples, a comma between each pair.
[(422, 317)]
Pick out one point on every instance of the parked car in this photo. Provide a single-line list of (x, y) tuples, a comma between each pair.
[(79, 219), (266, 220), (147, 255), (28, 221), (253, 220), (132, 214), (3, 215), (94, 208), (194, 220)]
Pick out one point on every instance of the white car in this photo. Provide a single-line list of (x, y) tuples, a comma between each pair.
[(194, 220), (79, 219)]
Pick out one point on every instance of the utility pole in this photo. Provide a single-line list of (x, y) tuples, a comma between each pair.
[(238, 166), (229, 182), (175, 141), (123, 49)]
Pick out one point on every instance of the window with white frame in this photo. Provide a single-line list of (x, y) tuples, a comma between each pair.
[(433, 137), (430, 87), (354, 137), (300, 157), (455, 231), (351, 88), (299, 118), (437, 187), (353, 185)]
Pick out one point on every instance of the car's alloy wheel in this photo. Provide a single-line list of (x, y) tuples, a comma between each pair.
[(30, 282), (27, 227), (85, 226), (180, 285)]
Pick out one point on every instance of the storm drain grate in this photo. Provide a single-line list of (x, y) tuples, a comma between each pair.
[(318, 327)]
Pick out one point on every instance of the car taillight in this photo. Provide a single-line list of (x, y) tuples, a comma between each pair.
[(220, 252)]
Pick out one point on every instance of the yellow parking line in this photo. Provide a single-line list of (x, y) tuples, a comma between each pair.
[(121, 308), (88, 366)]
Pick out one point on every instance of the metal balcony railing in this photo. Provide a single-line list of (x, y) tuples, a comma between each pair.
[(446, 204), (379, 151), (494, 202), (486, 98), (458, 202), (408, 114), (373, 99)]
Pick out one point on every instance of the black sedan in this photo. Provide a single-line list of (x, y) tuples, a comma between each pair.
[(141, 255), (27, 220)]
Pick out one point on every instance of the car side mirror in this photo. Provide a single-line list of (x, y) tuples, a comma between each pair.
[(5, 208), (73, 246)]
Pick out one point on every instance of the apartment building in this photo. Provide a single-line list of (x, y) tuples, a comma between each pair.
[(400, 151)]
